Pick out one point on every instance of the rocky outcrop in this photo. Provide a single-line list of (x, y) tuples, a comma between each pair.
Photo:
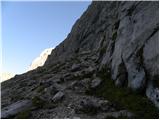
[(39, 61), (125, 37), (105, 67)]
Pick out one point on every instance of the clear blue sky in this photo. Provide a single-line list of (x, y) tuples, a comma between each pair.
[(30, 27)]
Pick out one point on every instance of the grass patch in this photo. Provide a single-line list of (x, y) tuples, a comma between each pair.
[(16, 96), (114, 35), (41, 70), (23, 115), (116, 25), (120, 117), (156, 81), (38, 102), (102, 50), (130, 10), (40, 88), (88, 109), (134, 102)]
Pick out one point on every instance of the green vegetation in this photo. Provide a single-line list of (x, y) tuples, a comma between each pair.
[(41, 70), (103, 50), (130, 10), (114, 35), (89, 110), (40, 88), (77, 50), (23, 115), (36, 76), (120, 117), (156, 81), (136, 103), (38, 102), (116, 25), (16, 96)]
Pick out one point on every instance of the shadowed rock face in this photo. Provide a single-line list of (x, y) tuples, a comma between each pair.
[(118, 39)]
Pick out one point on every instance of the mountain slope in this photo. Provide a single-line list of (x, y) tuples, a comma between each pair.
[(125, 38), (105, 68)]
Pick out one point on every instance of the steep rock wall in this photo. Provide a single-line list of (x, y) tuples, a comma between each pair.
[(124, 35)]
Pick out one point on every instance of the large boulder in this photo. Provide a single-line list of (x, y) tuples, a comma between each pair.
[(15, 108)]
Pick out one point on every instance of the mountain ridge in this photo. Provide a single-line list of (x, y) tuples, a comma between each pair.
[(41, 59)]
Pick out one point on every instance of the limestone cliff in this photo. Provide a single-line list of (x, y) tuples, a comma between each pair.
[(125, 38), (39, 61), (107, 67)]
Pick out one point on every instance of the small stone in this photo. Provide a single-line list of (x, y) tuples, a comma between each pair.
[(89, 70), (58, 96), (104, 105), (95, 83), (75, 67), (76, 118), (121, 113)]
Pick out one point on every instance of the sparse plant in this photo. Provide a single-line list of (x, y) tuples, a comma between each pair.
[(134, 102), (24, 114), (38, 102)]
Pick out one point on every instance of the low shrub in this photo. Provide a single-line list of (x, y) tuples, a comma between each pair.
[(139, 104)]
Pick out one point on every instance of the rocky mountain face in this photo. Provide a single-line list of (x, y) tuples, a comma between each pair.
[(107, 67), (39, 61)]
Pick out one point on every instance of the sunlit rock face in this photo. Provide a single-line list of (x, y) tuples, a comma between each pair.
[(39, 61), (6, 75)]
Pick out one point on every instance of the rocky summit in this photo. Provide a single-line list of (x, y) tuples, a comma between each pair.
[(39, 61), (107, 67)]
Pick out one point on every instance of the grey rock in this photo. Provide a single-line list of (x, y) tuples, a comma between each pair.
[(153, 94), (15, 108), (122, 113), (124, 37), (104, 105), (80, 86), (77, 74), (58, 87), (76, 118), (75, 67), (89, 70), (93, 106), (58, 96), (95, 83)]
